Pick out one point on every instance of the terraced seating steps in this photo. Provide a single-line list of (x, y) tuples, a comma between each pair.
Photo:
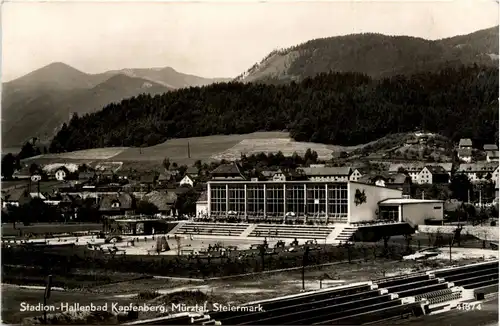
[(466, 275), (434, 294), (476, 279), (445, 298), (481, 284), (297, 316), (285, 231), (317, 306), (422, 290), (379, 315), (465, 269), (273, 305), (328, 318), (415, 285), (403, 280)]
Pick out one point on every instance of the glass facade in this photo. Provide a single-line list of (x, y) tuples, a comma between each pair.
[(255, 199), (236, 198), (295, 199), (316, 199), (277, 199), (218, 199), (337, 201)]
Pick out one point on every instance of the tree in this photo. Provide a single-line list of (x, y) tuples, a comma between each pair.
[(34, 168), (166, 163), (146, 208), (460, 187), (27, 151), (8, 166)]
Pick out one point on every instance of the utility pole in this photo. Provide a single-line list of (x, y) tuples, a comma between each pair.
[(46, 296), (468, 196), (189, 151), (304, 261), (480, 204)]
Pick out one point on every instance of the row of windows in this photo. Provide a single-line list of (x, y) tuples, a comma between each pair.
[(279, 200)]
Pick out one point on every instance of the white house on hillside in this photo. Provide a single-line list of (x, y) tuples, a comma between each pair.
[(355, 175), (187, 180)]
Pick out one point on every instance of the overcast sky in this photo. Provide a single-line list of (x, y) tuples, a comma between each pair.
[(209, 39)]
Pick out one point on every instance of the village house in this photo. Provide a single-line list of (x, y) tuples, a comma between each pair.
[(492, 156), (334, 174), (164, 179), (202, 205), (116, 204), (356, 175), (193, 172), (389, 180), (230, 171), (15, 197), (465, 154), (465, 143), (187, 180), (480, 171), (490, 147), (163, 200), (414, 169), (61, 173), (433, 174)]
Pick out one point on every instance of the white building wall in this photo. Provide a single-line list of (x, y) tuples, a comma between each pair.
[(374, 194), (186, 181), (201, 208), (418, 213)]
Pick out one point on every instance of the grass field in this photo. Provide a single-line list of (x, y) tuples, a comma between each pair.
[(206, 149)]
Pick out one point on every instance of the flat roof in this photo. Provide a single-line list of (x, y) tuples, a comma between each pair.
[(275, 182), (402, 201)]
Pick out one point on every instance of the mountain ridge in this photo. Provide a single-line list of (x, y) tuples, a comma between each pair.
[(36, 104), (374, 54)]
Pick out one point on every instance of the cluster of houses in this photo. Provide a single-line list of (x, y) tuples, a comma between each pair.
[(465, 151), (116, 192)]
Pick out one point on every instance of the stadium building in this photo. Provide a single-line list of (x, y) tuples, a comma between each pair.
[(321, 202)]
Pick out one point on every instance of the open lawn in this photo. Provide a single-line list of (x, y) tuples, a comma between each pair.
[(206, 149)]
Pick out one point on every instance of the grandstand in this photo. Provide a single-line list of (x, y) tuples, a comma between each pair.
[(371, 302)]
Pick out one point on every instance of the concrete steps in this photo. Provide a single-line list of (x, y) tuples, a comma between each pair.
[(346, 234)]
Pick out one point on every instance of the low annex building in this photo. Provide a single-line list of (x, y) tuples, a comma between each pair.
[(412, 211)]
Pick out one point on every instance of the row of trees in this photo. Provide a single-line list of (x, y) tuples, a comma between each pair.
[(339, 108)]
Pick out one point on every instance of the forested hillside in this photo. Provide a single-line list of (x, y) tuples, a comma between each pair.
[(338, 108), (376, 55)]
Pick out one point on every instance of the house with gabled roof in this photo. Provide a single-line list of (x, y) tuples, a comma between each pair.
[(116, 204), (187, 180), (465, 143), (230, 171), (433, 174), (334, 174), (492, 156), (465, 154), (480, 171), (490, 147), (399, 181), (164, 200), (193, 171), (356, 174), (412, 169)]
